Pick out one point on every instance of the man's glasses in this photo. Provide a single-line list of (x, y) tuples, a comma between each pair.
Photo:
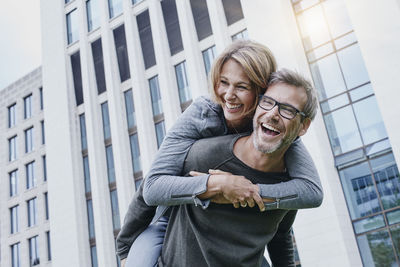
[(285, 110)]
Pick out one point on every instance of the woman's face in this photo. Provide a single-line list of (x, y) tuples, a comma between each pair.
[(235, 93)]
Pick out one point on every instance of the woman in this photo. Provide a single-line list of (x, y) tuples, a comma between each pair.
[(239, 75)]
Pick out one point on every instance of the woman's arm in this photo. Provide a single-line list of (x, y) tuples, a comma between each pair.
[(304, 190), (165, 184)]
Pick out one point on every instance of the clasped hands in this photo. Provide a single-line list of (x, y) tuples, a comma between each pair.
[(226, 188)]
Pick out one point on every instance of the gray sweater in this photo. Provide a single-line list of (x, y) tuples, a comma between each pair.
[(222, 235), (164, 185)]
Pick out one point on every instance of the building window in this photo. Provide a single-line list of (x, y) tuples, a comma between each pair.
[(155, 96), (32, 216), (11, 115), (72, 26), (93, 16), (13, 183), (28, 107), (90, 218), (44, 168), (136, 1), (29, 140), (171, 22), (208, 58), (130, 109), (33, 251), (46, 205), (30, 175), (97, 51), (82, 123), (15, 260), (77, 77), (201, 18), (14, 219), (115, 7), (12, 148), (93, 255), (233, 11), (146, 39), (241, 35), (41, 97), (110, 164), (160, 132), (43, 136), (106, 121), (115, 211), (86, 174), (135, 153), (183, 84), (48, 246), (122, 53)]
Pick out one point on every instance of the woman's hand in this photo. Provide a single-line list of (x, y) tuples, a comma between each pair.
[(224, 187)]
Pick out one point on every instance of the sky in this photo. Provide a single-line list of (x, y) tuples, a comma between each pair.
[(20, 41)]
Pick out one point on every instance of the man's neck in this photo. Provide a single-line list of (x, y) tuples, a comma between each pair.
[(245, 151)]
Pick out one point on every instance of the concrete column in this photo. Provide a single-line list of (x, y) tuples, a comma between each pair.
[(166, 72), (375, 25), (141, 94), (66, 195), (194, 61), (332, 233)]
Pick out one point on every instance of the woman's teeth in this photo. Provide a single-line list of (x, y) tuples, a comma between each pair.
[(233, 106)]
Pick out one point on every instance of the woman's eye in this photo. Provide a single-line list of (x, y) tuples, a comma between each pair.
[(242, 87), (224, 82)]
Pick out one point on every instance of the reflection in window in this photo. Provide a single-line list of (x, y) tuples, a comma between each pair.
[(155, 96), (368, 224), (160, 132), (376, 249), (93, 16), (122, 53), (115, 7), (172, 26), (135, 153), (233, 11), (146, 39), (369, 120), (33, 251), (201, 18), (353, 67), (72, 26), (313, 27), (358, 186), (97, 52), (327, 77), (77, 77), (387, 180), (342, 130), (110, 164), (114, 210), (130, 109), (106, 121), (337, 18), (395, 231), (208, 58), (183, 84)]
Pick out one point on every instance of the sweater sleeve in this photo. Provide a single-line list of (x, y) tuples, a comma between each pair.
[(304, 190), (165, 184)]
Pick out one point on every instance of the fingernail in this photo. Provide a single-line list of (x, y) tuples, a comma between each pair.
[(263, 209)]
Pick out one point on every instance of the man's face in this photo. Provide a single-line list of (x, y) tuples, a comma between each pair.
[(272, 132)]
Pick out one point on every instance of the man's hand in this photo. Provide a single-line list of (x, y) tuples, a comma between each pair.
[(224, 187), (123, 262)]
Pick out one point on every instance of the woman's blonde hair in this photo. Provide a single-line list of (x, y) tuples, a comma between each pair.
[(256, 60)]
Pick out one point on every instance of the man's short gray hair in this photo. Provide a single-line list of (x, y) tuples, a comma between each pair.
[(295, 79)]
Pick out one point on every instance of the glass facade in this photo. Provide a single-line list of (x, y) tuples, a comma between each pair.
[(146, 39), (11, 116), (110, 164), (44, 168), (46, 205), (15, 257), (208, 58), (41, 97), (171, 22), (130, 109), (106, 121), (122, 53), (156, 103), (359, 142), (43, 135), (77, 77), (48, 246), (28, 107), (82, 122), (89, 204), (135, 153), (72, 26), (160, 132), (14, 219), (241, 35), (33, 251), (115, 7), (12, 148), (32, 212), (86, 174), (29, 140), (93, 255), (183, 85), (114, 210), (97, 52), (201, 18), (233, 11), (93, 15)]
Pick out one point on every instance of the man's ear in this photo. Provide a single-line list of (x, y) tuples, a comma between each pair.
[(304, 126)]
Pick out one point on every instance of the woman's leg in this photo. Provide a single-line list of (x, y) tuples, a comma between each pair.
[(146, 249)]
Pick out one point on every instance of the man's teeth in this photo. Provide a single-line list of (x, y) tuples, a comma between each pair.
[(269, 127), (232, 106)]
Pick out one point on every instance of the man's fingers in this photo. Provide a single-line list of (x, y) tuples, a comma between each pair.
[(259, 201), (211, 171), (250, 202), (236, 205), (195, 173)]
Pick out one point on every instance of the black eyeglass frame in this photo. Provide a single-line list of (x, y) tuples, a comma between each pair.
[(261, 97)]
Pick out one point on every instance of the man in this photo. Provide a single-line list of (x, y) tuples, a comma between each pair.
[(222, 235)]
